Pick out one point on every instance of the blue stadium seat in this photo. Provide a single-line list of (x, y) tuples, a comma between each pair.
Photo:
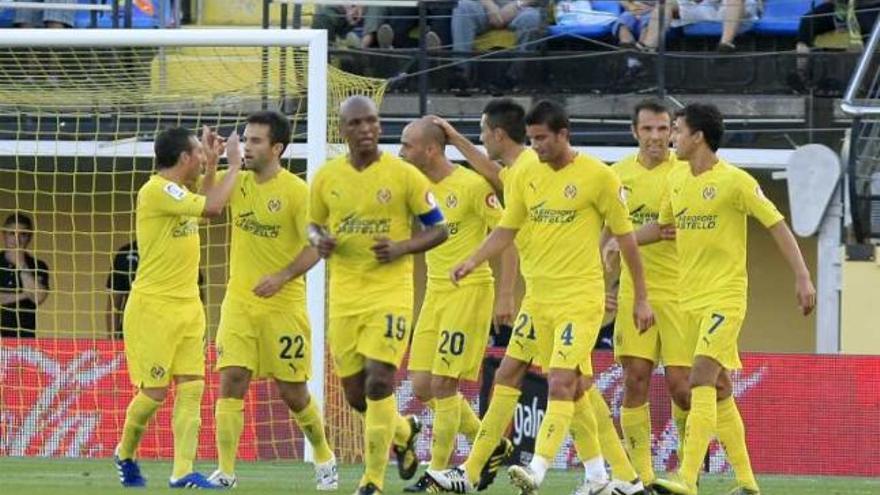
[(781, 17), (6, 17), (139, 18), (590, 31)]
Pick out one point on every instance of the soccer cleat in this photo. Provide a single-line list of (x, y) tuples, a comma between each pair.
[(327, 476), (368, 489), (672, 487), (453, 480), (423, 485), (223, 480), (741, 490), (619, 487), (407, 460), (594, 487), (499, 456), (523, 478), (193, 480), (129, 472)]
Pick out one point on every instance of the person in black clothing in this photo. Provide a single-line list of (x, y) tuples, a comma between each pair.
[(24, 280), (125, 264)]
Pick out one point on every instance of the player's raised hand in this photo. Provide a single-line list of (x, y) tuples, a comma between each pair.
[(212, 145), (233, 152), (269, 285), (461, 271), (806, 294), (321, 240), (386, 250), (611, 255), (643, 315)]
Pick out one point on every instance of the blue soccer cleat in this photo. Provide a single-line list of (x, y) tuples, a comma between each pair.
[(129, 473), (193, 480)]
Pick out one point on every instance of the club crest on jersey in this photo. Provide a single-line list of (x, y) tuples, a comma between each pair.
[(383, 195), (157, 372), (492, 201), (274, 205), (451, 201), (570, 191), (709, 192)]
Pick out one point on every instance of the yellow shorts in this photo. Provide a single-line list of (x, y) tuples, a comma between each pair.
[(164, 337), (557, 335), (718, 335), (670, 339), (452, 332), (380, 335), (269, 342)]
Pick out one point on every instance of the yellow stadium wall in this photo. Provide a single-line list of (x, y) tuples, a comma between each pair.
[(83, 219)]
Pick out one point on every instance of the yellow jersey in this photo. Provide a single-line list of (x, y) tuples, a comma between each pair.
[(358, 207), (565, 211), (710, 212), (644, 191), (167, 230), (525, 159), (269, 224), (470, 208)]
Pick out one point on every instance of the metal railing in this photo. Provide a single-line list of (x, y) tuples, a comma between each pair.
[(862, 103)]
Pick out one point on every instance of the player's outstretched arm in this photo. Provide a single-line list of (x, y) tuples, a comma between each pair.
[(785, 241), (480, 162), (499, 239), (646, 234), (642, 312), (218, 196), (270, 284)]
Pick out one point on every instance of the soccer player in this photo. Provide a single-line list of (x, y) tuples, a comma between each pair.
[(164, 320), (644, 175), (264, 328), (503, 133), (709, 203), (453, 325), (564, 201), (362, 207)]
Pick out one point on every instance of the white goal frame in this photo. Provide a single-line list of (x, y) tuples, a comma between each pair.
[(314, 40)]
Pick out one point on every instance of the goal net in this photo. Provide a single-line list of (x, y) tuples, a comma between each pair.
[(78, 114)]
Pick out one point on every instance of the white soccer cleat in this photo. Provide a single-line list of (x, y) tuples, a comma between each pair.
[(619, 487), (594, 487), (223, 480), (453, 480), (327, 476), (523, 478)]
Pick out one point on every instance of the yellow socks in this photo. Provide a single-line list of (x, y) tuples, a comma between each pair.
[(140, 411), (585, 432), (229, 416), (497, 417), (636, 425), (609, 439), (469, 423), (700, 427), (309, 421), (185, 423), (402, 429), (680, 416), (554, 428), (377, 438), (732, 435), (446, 419)]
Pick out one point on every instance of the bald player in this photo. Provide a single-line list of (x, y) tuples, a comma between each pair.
[(362, 207)]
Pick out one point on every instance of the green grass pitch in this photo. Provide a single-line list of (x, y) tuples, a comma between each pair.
[(34, 476)]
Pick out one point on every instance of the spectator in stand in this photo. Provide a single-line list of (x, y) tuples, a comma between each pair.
[(399, 21), (342, 21), (827, 16), (734, 15), (24, 280), (632, 25), (30, 18)]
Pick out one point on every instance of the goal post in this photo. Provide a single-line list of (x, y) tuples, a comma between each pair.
[(70, 92)]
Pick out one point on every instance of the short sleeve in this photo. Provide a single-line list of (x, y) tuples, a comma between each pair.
[(173, 199), (486, 203), (318, 211), (611, 203), (754, 203), (419, 198), (515, 211)]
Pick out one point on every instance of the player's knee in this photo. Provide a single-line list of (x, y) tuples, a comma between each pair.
[(295, 395), (636, 384), (444, 386), (421, 383), (511, 373), (158, 394), (379, 387), (234, 382), (681, 395), (356, 400), (562, 386)]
